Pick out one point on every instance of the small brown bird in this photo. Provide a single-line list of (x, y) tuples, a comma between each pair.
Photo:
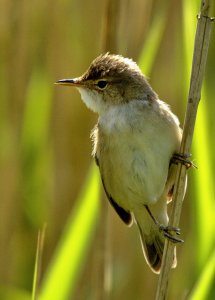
[(135, 139)]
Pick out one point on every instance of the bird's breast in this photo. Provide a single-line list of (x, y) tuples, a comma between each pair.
[(134, 151)]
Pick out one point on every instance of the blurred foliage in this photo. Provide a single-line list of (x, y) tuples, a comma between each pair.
[(204, 287), (74, 242), (45, 146)]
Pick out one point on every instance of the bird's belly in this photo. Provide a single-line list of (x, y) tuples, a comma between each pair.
[(133, 174)]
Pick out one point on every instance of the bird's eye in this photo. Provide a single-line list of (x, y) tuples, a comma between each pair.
[(102, 84)]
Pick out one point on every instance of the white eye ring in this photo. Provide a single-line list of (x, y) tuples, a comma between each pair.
[(102, 84)]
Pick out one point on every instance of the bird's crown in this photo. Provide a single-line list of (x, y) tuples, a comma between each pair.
[(112, 66)]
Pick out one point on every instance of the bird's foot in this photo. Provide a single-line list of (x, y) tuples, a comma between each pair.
[(182, 159), (168, 232)]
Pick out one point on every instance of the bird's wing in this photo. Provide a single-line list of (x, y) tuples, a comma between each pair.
[(125, 216)]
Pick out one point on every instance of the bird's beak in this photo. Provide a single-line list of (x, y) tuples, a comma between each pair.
[(69, 82)]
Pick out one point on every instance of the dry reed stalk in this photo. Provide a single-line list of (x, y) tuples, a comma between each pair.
[(201, 46)]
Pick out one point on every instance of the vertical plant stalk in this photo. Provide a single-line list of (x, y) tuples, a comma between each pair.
[(38, 262), (104, 276), (111, 23), (201, 46), (103, 254)]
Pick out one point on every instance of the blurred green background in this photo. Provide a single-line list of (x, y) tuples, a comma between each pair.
[(46, 174)]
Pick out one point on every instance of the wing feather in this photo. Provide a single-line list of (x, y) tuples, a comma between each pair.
[(125, 215)]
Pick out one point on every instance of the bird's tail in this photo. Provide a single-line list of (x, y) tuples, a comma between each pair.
[(152, 241)]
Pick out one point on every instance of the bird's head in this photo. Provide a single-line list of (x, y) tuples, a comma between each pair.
[(111, 80)]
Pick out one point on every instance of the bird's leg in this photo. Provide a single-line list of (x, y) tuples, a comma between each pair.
[(166, 230), (183, 159)]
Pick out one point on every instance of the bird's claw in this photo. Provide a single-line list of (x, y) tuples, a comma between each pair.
[(183, 159), (167, 232)]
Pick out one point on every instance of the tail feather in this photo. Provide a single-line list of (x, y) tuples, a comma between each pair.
[(153, 257), (153, 241), (152, 249)]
